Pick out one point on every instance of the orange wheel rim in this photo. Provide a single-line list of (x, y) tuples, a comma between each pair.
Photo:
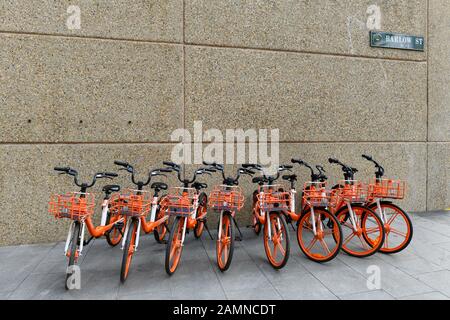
[(274, 247), (322, 245), (353, 241), (224, 243), (130, 251), (393, 231), (175, 249)]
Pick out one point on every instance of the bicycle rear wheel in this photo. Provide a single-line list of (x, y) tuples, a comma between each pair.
[(114, 236), (200, 226), (225, 245), (325, 244), (278, 247), (255, 221), (128, 250), (73, 250), (367, 222), (174, 246), (397, 227), (160, 231)]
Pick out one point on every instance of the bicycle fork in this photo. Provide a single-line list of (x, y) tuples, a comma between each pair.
[(352, 217), (381, 211), (80, 237), (138, 233)]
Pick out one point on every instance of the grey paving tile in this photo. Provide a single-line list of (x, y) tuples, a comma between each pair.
[(4, 295), (439, 280), (393, 280), (141, 282), (18, 262), (369, 295), (426, 296)]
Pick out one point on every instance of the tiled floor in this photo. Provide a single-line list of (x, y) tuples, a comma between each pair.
[(422, 271)]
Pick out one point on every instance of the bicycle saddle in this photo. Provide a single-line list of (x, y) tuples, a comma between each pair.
[(159, 186), (111, 188), (258, 180), (199, 185), (290, 177)]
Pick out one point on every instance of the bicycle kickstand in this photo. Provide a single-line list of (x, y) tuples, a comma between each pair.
[(207, 230), (240, 237)]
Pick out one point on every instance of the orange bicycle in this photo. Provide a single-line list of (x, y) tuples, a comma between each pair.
[(189, 207), (362, 228), (268, 211), (397, 224), (227, 199), (135, 205), (319, 233), (79, 207)]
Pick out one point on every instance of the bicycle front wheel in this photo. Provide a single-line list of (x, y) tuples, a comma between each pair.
[(160, 231), (324, 244), (397, 227), (356, 232), (73, 250), (278, 246), (225, 244), (201, 211), (114, 236), (128, 250), (174, 246)]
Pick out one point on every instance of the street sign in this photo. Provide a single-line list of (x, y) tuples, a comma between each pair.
[(391, 40)]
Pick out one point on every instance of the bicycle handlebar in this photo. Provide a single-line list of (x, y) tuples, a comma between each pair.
[(380, 170), (129, 168), (83, 185)]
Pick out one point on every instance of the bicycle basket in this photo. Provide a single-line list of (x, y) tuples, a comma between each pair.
[(226, 198), (273, 198), (180, 201), (130, 203), (315, 194), (353, 191), (72, 205), (387, 188)]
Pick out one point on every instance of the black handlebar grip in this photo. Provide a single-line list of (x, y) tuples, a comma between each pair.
[(165, 170), (331, 160), (63, 169), (288, 166), (170, 164), (210, 170), (256, 179), (367, 157), (121, 163), (354, 170), (111, 174), (250, 171)]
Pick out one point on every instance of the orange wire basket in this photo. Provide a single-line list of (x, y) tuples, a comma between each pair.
[(130, 203), (353, 191), (272, 198), (387, 188), (72, 205), (315, 194), (226, 198), (180, 201)]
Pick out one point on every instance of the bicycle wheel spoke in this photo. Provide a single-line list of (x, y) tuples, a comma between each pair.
[(372, 230), (349, 237), (397, 232), (392, 218), (363, 242), (313, 242), (325, 246)]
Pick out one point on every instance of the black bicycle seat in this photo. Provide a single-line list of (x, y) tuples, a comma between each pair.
[(159, 185), (199, 185), (258, 180), (111, 188), (290, 177)]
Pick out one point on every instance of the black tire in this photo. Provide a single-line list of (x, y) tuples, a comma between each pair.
[(73, 247), (108, 237), (156, 234), (408, 222), (257, 227), (173, 232), (225, 267), (375, 216), (200, 226), (124, 271), (334, 222), (288, 245)]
